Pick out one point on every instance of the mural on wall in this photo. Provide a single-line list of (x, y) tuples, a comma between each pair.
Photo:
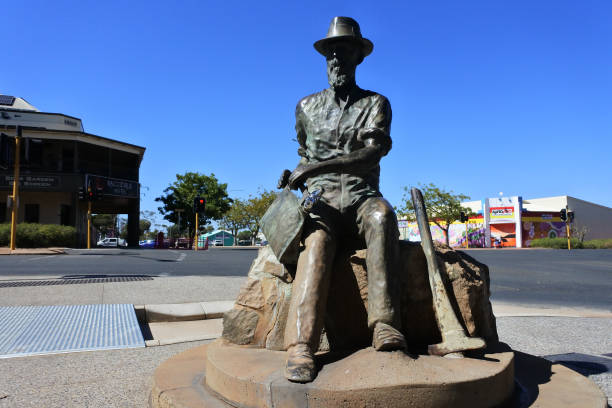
[(539, 224), (476, 233), (542, 229), (503, 235)]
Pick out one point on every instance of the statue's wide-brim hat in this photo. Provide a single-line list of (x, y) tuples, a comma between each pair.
[(344, 28)]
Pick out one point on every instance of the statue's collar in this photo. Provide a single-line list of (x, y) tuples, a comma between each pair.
[(354, 95)]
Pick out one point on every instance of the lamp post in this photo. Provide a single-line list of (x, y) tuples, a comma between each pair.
[(179, 211)]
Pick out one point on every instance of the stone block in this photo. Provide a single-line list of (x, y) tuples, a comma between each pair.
[(250, 294), (239, 325)]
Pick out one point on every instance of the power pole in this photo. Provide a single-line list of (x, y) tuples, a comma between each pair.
[(15, 196), (179, 211)]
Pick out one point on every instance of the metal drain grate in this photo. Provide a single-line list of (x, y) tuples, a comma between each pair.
[(31, 330), (14, 284)]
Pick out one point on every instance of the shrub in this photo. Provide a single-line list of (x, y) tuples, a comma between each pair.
[(557, 243), (39, 235), (598, 244)]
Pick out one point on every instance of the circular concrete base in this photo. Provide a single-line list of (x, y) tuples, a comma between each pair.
[(247, 377)]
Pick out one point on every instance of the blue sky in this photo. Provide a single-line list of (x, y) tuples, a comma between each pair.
[(487, 96)]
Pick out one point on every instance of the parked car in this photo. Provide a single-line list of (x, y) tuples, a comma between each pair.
[(182, 243), (218, 242), (112, 242), (147, 243)]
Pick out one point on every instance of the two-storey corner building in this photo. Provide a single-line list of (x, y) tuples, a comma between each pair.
[(57, 158)]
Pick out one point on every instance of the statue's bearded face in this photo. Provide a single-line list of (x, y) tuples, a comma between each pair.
[(342, 60)]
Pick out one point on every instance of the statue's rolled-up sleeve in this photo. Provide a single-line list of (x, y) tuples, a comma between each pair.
[(378, 124)]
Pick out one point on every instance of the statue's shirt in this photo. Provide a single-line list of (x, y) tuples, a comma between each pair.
[(326, 131)]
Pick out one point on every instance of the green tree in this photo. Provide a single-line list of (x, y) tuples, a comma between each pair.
[(256, 207), (443, 207), (143, 228), (180, 195), (244, 235), (172, 231), (147, 220), (236, 218), (105, 223)]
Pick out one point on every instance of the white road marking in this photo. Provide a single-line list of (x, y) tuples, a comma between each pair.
[(41, 257), (181, 257)]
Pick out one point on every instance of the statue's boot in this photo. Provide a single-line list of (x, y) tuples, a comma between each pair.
[(387, 338), (301, 366)]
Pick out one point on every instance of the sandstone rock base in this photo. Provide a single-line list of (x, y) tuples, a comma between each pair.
[(260, 313)]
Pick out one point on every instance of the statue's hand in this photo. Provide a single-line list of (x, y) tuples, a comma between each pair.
[(284, 179), (297, 178)]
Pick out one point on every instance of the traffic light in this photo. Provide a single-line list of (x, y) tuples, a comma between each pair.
[(464, 217), (199, 204), (90, 194), (82, 193), (563, 214), (570, 216), (99, 194)]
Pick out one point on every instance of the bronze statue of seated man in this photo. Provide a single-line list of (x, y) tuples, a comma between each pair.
[(343, 132)]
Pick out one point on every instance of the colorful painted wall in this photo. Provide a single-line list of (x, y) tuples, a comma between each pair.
[(541, 225), (476, 233), (534, 225), (503, 235)]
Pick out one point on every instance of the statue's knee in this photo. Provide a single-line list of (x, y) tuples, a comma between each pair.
[(382, 218), (317, 238)]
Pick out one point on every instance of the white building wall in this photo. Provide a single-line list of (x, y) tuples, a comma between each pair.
[(596, 218), (475, 206), (545, 204)]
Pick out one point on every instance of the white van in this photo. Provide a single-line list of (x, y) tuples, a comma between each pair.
[(112, 242)]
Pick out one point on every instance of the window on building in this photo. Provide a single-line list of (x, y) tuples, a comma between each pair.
[(32, 153), (32, 213), (65, 215)]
